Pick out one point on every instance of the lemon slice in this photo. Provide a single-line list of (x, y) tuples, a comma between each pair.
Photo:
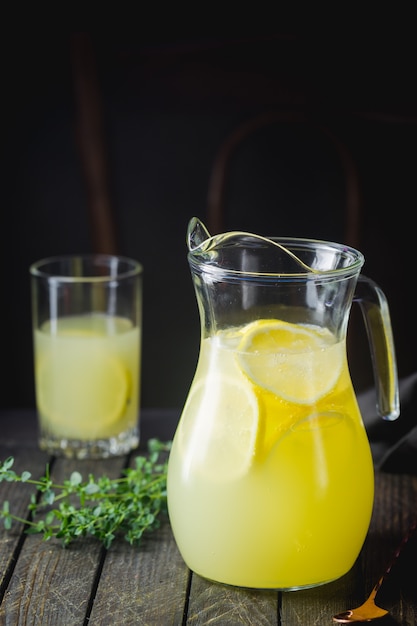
[(83, 395), (220, 427), (296, 362)]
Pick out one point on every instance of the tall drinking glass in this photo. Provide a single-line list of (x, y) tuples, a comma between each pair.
[(86, 313)]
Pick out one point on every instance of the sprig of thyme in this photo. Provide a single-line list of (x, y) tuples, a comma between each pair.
[(101, 507)]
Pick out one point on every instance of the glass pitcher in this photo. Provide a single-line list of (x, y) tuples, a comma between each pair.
[(270, 475)]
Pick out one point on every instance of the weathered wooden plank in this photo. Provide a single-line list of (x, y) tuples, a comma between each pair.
[(394, 512), (52, 585), (317, 605), (154, 576), (148, 584), (19, 427), (213, 603), (144, 585), (18, 495)]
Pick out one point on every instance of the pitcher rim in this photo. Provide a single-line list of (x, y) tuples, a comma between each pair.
[(200, 257)]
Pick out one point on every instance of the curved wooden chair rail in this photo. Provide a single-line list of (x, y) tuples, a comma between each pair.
[(93, 156), (216, 208)]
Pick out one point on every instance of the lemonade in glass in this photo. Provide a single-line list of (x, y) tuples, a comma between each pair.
[(87, 356), (86, 375), (270, 448)]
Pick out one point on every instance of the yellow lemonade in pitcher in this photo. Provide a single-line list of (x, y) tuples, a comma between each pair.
[(87, 376), (268, 456)]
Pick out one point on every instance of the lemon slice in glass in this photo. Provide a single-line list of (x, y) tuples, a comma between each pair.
[(84, 395), (220, 427), (298, 363)]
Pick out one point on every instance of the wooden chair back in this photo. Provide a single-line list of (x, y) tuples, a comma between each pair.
[(218, 209)]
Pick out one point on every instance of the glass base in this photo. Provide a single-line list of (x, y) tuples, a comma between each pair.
[(90, 449), (300, 587)]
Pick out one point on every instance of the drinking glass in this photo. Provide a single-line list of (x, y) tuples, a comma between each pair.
[(86, 313)]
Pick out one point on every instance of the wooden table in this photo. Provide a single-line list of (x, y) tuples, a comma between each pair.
[(43, 583)]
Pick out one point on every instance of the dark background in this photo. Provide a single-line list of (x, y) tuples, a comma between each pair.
[(168, 105)]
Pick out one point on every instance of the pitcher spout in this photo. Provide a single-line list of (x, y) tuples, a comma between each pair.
[(207, 247), (197, 234)]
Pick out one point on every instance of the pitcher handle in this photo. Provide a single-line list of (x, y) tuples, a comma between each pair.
[(375, 312)]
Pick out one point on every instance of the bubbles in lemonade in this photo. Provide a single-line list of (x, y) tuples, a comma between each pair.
[(269, 451), (87, 378)]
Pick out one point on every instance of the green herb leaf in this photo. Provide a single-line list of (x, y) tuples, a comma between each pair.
[(103, 508)]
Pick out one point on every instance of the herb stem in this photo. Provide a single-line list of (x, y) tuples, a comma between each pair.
[(104, 508)]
